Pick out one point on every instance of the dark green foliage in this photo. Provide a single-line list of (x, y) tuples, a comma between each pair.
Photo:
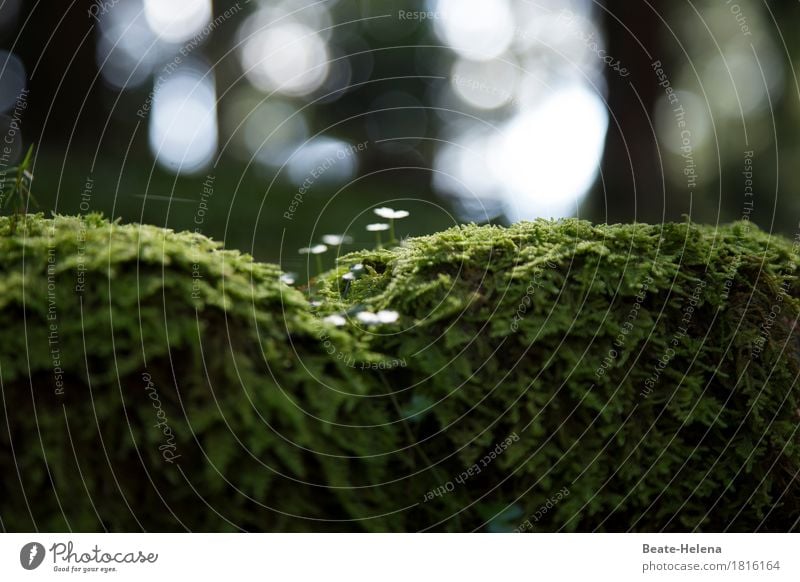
[(231, 353), (519, 389), (706, 440)]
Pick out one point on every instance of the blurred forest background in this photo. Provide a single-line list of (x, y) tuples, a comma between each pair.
[(269, 123)]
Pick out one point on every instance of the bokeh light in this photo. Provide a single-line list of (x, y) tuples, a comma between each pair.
[(548, 157), (177, 20), (696, 115), (323, 161), (485, 85), (127, 51), (740, 82), (183, 121), (287, 56), (269, 130), (463, 174), (474, 28), (12, 79)]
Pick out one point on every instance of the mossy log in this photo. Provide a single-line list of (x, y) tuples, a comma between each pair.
[(549, 376)]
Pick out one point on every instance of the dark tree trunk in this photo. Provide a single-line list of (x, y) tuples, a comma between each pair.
[(632, 182)]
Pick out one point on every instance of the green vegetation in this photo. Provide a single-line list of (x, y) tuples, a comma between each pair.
[(555, 374), (15, 187)]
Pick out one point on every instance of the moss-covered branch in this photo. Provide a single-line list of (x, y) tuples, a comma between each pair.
[(546, 376)]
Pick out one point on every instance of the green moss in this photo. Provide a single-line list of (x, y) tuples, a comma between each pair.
[(647, 371)]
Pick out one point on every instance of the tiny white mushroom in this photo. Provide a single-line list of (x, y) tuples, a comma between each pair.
[(315, 250), (387, 316), (289, 278), (348, 276), (390, 213), (336, 239), (377, 227), (336, 320), (384, 212), (367, 317)]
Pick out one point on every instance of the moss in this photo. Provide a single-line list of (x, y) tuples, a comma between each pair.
[(547, 376)]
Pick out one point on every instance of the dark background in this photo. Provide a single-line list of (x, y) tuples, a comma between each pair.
[(392, 83)]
